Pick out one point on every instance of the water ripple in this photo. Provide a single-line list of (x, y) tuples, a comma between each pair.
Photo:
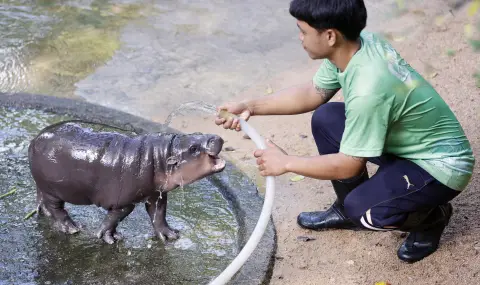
[(22, 25)]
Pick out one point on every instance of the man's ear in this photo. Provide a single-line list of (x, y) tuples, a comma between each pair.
[(331, 37)]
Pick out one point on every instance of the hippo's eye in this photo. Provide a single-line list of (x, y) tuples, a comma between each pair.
[(194, 149)]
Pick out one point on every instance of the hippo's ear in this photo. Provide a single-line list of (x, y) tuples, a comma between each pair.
[(172, 160)]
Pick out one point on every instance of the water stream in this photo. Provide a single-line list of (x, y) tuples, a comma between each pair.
[(204, 107)]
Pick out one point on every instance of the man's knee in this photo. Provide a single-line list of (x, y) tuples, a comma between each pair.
[(328, 114), (327, 123)]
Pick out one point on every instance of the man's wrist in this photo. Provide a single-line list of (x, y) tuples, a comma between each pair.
[(291, 162), (250, 104)]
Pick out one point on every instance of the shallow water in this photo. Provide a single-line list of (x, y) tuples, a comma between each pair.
[(33, 253), (47, 46)]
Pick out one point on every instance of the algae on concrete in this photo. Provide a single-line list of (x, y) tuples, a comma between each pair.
[(83, 40), (78, 38)]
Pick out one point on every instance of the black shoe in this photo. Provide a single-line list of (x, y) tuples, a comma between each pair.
[(423, 242), (332, 218)]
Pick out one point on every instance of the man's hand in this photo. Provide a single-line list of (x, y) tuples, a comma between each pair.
[(271, 161), (241, 109)]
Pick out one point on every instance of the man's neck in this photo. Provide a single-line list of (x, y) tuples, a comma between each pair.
[(342, 56)]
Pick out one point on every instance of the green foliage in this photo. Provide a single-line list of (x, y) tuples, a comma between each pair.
[(475, 44), (477, 76)]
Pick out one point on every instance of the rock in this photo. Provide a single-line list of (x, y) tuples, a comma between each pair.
[(229, 148), (476, 246), (350, 262), (305, 238)]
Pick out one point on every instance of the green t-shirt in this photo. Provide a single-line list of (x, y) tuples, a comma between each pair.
[(390, 108)]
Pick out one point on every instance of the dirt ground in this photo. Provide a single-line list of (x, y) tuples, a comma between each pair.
[(346, 257)]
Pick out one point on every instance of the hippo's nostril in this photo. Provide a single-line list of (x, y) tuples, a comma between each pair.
[(215, 144), (215, 140)]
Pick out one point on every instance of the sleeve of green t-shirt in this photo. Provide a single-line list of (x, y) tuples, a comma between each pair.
[(326, 76), (366, 125)]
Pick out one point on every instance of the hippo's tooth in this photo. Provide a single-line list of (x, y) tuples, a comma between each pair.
[(219, 164)]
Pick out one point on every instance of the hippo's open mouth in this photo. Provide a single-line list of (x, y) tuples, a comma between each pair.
[(217, 162)]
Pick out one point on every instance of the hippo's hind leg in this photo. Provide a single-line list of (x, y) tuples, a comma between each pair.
[(156, 207), (108, 229), (53, 208), (40, 205)]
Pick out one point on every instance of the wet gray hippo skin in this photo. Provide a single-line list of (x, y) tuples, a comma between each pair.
[(115, 171)]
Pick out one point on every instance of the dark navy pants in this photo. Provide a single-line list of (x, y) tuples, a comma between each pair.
[(398, 188)]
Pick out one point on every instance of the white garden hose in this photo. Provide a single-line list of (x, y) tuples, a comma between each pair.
[(264, 218)]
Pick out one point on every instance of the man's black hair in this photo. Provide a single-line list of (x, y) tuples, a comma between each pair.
[(349, 17)]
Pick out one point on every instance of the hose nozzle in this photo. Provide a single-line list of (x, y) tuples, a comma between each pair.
[(226, 115)]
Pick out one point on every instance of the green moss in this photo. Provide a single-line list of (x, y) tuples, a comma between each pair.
[(475, 44), (83, 40), (77, 53)]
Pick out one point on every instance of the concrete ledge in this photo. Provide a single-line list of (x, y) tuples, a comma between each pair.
[(234, 185)]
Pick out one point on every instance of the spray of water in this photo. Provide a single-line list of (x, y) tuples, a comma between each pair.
[(183, 193), (160, 190), (192, 105)]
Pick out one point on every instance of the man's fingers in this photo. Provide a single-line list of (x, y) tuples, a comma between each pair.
[(228, 123), (219, 121), (234, 124), (258, 153)]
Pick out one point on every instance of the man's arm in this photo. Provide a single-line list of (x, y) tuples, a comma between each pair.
[(326, 94), (291, 101), (364, 136), (335, 166)]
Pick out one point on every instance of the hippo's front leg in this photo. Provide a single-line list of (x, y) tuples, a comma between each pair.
[(156, 207), (108, 229)]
